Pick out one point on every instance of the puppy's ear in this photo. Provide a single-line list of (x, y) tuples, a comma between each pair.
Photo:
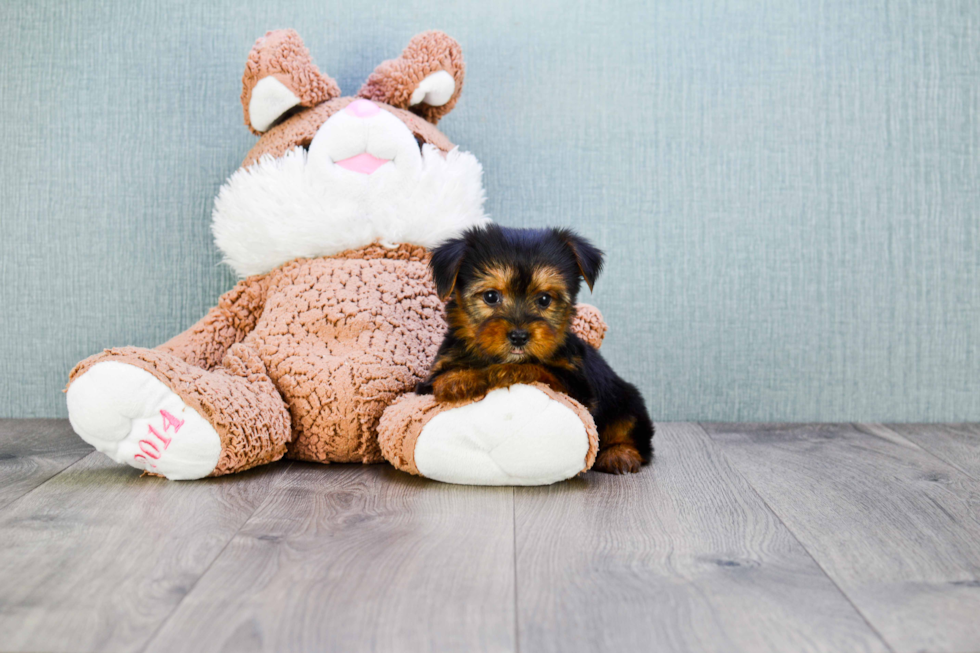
[(445, 263), (587, 256)]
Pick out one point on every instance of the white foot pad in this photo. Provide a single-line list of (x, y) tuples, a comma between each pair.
[(132, 417), (514, 436)]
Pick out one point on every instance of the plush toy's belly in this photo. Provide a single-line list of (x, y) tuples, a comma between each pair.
[(342, 338)]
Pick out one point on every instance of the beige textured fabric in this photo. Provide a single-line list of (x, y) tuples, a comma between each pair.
[(402, 423), (310, 356), (394, 81), (282, 54), (238, 399), (348, 335), (304, 361), (400, 427), (589, 325), (238, 310)]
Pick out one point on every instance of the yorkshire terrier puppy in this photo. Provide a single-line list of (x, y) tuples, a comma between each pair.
[(512, 296)]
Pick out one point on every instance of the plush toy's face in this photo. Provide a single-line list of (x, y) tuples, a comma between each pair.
[(331, 173), (363, 148), (363, 139)]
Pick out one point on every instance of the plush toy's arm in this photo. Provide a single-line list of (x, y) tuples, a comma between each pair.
[(483, 441), (205, 344), (589, 325)]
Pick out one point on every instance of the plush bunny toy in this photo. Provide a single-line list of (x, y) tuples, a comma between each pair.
[(315, 353)]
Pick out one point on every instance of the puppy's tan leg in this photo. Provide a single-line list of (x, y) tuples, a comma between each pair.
[(458, 385), (508, 374), (617, 453)]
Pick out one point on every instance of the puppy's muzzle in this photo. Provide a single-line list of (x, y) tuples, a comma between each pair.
[(518, 337)]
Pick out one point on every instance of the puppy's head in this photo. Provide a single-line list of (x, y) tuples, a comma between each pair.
[(512, 291)]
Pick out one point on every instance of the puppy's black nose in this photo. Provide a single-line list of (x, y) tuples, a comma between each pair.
[(518, 337)]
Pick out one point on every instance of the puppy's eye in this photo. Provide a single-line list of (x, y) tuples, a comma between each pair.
[(544, 300), (492, 297)]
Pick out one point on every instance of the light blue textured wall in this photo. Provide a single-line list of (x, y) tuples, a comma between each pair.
[(789, 193)]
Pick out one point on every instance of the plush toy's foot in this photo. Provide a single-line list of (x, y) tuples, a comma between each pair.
[(521, 435), (132, 417), (152, 410)]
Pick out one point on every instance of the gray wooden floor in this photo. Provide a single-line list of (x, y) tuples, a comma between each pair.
[(738, 538)]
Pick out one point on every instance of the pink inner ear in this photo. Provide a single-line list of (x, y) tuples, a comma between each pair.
[(364, 163)]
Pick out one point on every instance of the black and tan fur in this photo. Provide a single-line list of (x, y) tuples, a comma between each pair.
[(512, 295)]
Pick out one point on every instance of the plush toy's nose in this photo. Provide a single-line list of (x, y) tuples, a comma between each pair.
[(362, 108)]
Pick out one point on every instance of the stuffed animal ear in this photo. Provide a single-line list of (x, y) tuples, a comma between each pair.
[(587, 256), (280, 75), (445, 263), (426, 79)]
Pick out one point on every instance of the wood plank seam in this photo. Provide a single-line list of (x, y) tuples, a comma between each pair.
[(734, 466), (10, 504), (190, 590), (683, 556), (921, 448), (517, 595), (382, 556), (895, 527)]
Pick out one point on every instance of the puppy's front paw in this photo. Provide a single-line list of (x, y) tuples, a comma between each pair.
[(459, 385), (618, 459)]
